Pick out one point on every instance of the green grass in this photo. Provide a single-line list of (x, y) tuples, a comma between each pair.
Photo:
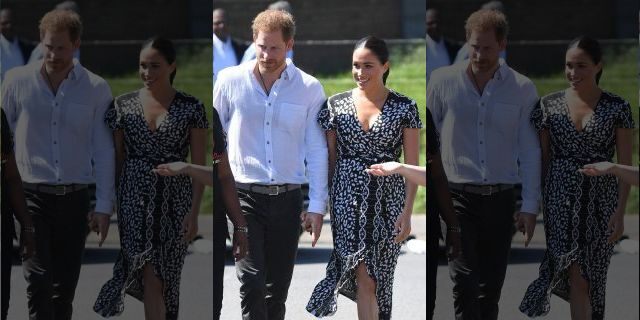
[(620, 76), (408, 77), (193, 77)]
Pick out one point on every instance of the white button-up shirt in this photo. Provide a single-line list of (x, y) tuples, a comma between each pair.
[(271, 137), (437, 55), (62, 139), (223, 55), (10, 55), (487, 139)]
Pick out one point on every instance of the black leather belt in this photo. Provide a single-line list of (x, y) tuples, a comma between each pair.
[(58, 190), (272, 190), (484, 190)]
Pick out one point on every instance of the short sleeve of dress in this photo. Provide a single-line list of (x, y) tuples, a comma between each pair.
[(113, 116), (200, 117), (433, 141), (326, 117), (539, 118), (624, 118), (412, 119), (219, 137)]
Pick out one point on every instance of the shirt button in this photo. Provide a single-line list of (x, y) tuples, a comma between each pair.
[(267, 123), (269, 104), (480, 142), (485, 180), (480, 122), (59, 180), (482, 104), (272, 180), (55, 142), (269, 161), (267, 142), (54, 123), (481, 161)]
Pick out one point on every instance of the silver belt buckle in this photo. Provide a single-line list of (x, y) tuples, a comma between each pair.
[(276, 188), (488, 193), (61, 190)]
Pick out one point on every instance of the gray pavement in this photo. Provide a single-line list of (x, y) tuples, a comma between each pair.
[(622, 284), (196, 291)]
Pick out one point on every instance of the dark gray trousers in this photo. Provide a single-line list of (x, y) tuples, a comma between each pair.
[(265, 273), (486, 224), (60, 224)]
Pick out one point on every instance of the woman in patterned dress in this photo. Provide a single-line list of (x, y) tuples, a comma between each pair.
[(583, 215), (225, 201), (370, 216), (157, 216)]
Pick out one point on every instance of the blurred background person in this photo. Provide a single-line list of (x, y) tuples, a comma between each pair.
[(14, 51), (440, 50), (227, 51)]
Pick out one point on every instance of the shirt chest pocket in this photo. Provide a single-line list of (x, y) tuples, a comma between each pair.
[(505, 118), (291, 117), (79, 117)]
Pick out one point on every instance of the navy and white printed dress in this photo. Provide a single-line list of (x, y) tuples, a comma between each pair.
[(151, 208), (364, 208), (577, 207)]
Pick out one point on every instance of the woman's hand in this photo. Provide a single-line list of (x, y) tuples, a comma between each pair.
[(615, 227), (171, 169), (402, 227), (27, 244), (598, 168), (189, 227), (240, 245), (385, 169)]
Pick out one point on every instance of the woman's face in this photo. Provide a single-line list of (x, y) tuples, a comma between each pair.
[(579, 68), (367, 69), (154, 68)]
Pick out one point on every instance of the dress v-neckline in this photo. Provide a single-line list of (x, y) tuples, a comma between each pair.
[(586, 124), (375, 121), (165, 114)]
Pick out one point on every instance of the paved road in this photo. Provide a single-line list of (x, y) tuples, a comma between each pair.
[(196, 291), (622, 286)]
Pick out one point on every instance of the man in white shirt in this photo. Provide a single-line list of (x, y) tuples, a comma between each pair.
[(481, 109), (14, 51), (227, 51), (56, 110), (269, 107), (440, 51)]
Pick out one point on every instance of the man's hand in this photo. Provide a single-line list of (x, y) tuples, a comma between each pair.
[(402, 227), (312, 223), (99, 223), (615, 227), (526, 224)]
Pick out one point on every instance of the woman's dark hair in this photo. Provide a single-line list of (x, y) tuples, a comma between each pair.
[(379, 48), (591, 47), (165, 48)]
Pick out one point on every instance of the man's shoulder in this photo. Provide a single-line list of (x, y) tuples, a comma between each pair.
[(447, 73), (94, 80), (519, 79), (308, 80), (233, 73), (22, 73)]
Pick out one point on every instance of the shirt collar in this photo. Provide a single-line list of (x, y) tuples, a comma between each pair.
[(500, 73), (287, 73)]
